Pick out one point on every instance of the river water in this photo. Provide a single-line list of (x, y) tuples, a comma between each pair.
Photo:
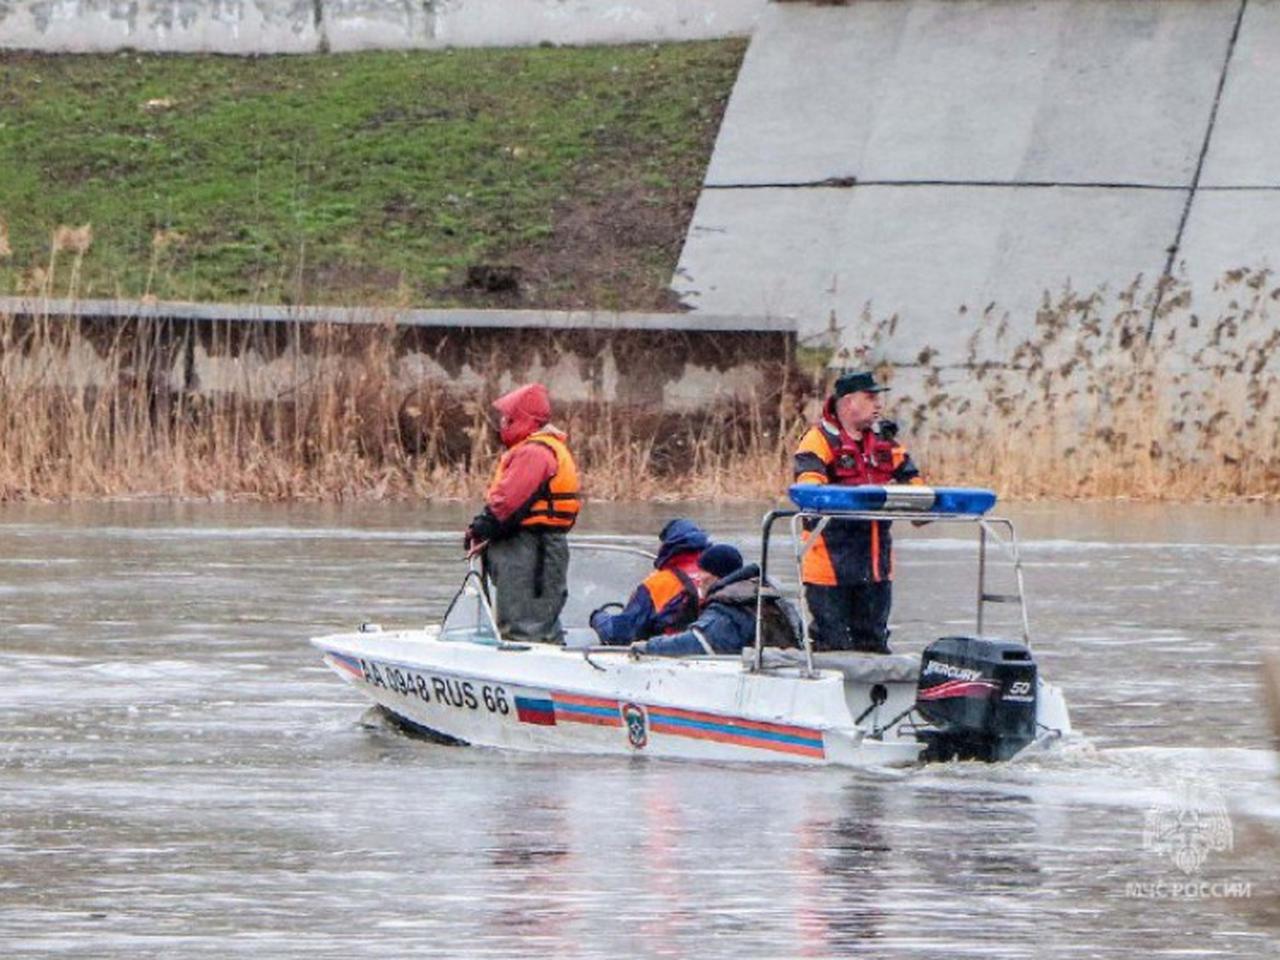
[(180, 776)]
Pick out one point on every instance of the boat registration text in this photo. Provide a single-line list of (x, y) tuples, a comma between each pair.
[(450, 692)]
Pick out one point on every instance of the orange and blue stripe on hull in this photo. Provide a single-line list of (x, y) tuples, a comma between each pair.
[(694, 725), (778, 737), (576, 708), (551, 709)]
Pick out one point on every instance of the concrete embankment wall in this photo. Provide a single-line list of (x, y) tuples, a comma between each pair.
[(907, 178), (631, 360), (945, 187), (309, 26)]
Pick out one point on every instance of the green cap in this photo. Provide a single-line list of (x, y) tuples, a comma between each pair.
[(859, 381)]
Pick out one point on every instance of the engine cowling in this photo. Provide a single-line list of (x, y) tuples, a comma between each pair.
[(980, 697)]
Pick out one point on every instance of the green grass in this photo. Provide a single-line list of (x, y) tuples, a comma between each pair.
[(367, 178)]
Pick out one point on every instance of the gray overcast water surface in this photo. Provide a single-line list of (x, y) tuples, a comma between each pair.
[(181, 777)]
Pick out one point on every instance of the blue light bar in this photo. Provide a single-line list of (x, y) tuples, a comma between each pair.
[(971, 501), (821, 498)]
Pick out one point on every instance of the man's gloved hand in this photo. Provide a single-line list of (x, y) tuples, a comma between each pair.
[(484, 527), (601, 610), (887, 429)]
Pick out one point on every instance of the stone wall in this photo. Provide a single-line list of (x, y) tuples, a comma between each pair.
[(309, 26), (661, 363)]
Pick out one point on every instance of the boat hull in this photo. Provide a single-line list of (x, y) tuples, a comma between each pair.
[(547, 699)]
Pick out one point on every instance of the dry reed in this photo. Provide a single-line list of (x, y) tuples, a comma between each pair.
[(1085, 406), (345, 428), (1131, 396)]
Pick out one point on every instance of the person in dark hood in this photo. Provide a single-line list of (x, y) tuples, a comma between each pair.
[(531, 505), (848, 571), (666, 600), (727, 623)]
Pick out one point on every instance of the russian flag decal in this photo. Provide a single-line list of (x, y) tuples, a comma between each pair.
[(538, 710)]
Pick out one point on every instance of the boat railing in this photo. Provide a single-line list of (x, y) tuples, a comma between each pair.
[(583, 543), (995, 529)]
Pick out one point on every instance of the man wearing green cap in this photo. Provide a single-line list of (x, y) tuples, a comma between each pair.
[(848, 571)]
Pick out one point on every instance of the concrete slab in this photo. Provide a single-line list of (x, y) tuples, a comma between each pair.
[(1245, 150), (1231, 230), (1091, 91), (1230, 258), (772, 249), (176, 26), (1220, 353), (923, 253), (482, 23), (290, 26), (804, 102), (350, 25)]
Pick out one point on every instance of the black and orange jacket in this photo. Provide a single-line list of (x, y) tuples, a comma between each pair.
[(666, 601), (556, 502), (850, 551)]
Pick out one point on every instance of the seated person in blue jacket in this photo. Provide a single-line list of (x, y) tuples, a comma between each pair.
[(727, 623), (667, 600)]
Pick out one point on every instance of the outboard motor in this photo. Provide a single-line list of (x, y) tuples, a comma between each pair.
[(980, 695)]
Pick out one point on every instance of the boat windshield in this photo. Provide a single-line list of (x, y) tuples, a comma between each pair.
[(601, 571), (470, 614)]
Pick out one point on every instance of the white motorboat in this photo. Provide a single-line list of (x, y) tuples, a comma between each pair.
[(971, 697)]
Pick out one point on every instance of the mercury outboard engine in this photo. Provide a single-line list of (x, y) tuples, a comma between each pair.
[(980, 696)]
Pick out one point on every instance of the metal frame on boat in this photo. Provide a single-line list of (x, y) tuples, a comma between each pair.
[(987, 527)]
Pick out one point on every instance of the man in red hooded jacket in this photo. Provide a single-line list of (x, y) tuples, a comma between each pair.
[(532, 503)]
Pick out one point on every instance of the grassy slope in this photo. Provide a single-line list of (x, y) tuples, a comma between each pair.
[(362, 178)]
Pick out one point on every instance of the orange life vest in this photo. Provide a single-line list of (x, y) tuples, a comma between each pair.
[(665, 586), (850, 551), (556, 504)]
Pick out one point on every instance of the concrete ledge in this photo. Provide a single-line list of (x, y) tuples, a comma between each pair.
[(639, 361), (254, 27), (160, 26), (462, 319)]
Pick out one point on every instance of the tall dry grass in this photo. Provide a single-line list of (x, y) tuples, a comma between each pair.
[(1083, 404), (321, 411), (1133, 395), (346, 428)]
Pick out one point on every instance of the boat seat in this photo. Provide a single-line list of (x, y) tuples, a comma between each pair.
[(856, 667)]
